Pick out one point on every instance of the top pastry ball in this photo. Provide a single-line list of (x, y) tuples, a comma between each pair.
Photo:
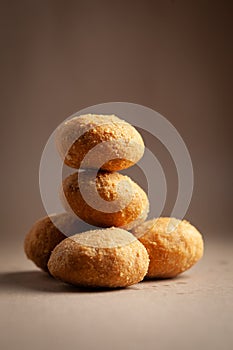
[(99, 141)]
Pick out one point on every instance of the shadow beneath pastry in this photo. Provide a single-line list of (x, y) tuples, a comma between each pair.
[(149, 283), (182, 276), (39, 281)]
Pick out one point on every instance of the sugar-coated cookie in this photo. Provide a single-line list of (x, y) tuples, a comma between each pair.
[(173, 246), (109, 257), (105, 141), (118, 200), (46, 233)]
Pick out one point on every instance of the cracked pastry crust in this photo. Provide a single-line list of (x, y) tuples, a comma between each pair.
[(109, 257), (173, 246), (119, 145), (128, 201)]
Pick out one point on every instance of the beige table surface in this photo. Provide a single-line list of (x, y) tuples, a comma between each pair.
[(193, 311)]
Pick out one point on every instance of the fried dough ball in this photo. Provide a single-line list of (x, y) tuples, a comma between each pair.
[(46, 233), (173, 246), (118, 201), (118, 145), (109, 257)]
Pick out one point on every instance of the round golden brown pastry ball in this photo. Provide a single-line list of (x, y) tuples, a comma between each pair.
[(46, 233), (109, 257), (105, 200), (173, 246), (105, 141)]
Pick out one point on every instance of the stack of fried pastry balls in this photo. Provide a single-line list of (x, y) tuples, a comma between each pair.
[(90, 243)]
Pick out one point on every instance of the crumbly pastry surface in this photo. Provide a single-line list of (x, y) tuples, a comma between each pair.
[(114, 143), (173, 246), (109, 257), (46, 233), (128, 201)]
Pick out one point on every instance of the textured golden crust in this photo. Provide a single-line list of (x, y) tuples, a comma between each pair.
[(121, 264), (44, 236), (126, 214), (121, 144), (173, 246)]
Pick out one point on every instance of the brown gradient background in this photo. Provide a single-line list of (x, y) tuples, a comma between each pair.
[(58, 57)]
